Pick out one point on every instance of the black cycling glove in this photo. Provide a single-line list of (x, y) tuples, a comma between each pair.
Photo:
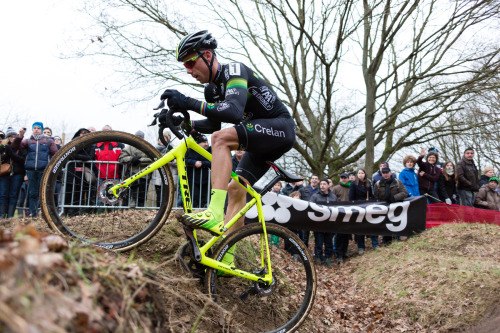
[(177, 100), (136, 160)]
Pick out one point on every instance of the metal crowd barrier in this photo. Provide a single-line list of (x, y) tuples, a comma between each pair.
[(80, 180)]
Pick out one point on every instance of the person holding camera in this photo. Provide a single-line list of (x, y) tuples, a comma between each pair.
[(11, 174), (40, 149)]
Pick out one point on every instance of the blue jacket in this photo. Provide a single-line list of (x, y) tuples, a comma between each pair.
[(40, 149), (410, 180), (200, 174)]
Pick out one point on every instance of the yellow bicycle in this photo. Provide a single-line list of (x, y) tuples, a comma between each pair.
[(272, 286)]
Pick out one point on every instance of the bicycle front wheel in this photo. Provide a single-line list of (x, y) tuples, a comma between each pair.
[(281, 307), (73, 191)]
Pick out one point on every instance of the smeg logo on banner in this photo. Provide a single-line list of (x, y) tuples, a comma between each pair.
[(283, 209)]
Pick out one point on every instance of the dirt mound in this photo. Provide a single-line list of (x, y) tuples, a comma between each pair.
[(47, 285), (445, 279)]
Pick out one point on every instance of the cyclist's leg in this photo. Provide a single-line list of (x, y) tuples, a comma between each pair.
[(212, 219), (236, 201), (261, 145), (223, 142), (264, 140)]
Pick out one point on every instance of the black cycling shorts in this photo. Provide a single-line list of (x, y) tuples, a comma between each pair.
[(263, 140)]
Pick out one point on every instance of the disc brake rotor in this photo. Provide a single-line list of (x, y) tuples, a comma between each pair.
[(104, 196)]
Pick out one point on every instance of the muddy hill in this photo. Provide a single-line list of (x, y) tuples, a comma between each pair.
[(446, 279)]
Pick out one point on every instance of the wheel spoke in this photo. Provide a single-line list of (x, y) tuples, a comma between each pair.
[(81, 206), (286, 301)]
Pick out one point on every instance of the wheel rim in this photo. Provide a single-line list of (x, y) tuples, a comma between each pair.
[(280, 307), (79, 211)]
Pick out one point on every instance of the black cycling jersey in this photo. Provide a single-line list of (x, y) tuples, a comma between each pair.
[(238, 95), (264, 126)]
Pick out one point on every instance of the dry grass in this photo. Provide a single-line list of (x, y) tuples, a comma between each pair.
[(445, 279), (49, 286)]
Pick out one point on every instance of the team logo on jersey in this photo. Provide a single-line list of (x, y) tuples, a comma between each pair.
[(232, 91), (249, 127), (222, 107), (215, 93), (269, 131), (264, 95), (210, 105), (226, 74)]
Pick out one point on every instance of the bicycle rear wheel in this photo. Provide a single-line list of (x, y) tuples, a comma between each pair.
[(281, 307), (81, 208)]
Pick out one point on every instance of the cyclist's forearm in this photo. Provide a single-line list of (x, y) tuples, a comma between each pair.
[(206, 125), (229, 111)]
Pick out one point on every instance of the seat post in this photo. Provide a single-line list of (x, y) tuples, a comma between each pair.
[(270, 185)]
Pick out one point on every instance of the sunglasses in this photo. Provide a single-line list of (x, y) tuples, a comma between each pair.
[(189, 64)]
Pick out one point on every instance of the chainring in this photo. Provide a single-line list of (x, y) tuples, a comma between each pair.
[(264, 290)]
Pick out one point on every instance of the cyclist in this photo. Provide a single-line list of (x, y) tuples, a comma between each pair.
[(233, 94)]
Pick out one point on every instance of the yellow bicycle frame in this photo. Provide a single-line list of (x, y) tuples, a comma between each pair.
[(178, 153)]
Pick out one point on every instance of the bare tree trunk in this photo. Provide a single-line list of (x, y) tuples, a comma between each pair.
[(418, 65)]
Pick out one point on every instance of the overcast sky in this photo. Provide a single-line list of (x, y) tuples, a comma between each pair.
[(37, 85)]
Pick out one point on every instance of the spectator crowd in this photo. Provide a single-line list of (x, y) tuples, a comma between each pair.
[(24, 158), (446, 182)]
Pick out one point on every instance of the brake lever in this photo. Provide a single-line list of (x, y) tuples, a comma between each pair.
[(162, 104), (155, 116)]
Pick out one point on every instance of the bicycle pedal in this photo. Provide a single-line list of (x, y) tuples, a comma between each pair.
[(243, 297)]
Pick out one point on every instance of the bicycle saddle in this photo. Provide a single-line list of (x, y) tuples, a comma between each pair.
[(286, 176)]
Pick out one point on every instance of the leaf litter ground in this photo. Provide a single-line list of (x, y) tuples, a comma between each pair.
[(444, 280)]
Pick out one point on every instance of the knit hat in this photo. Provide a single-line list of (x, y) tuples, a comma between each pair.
[(10, 131), (344, 175), (140, 133), (431, 153), (201, 139), (80, 131), (39, 124), (384, 163), (469, 148), (493, 179)]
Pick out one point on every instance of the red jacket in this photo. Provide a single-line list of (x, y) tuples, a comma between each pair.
[(108, 151)]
